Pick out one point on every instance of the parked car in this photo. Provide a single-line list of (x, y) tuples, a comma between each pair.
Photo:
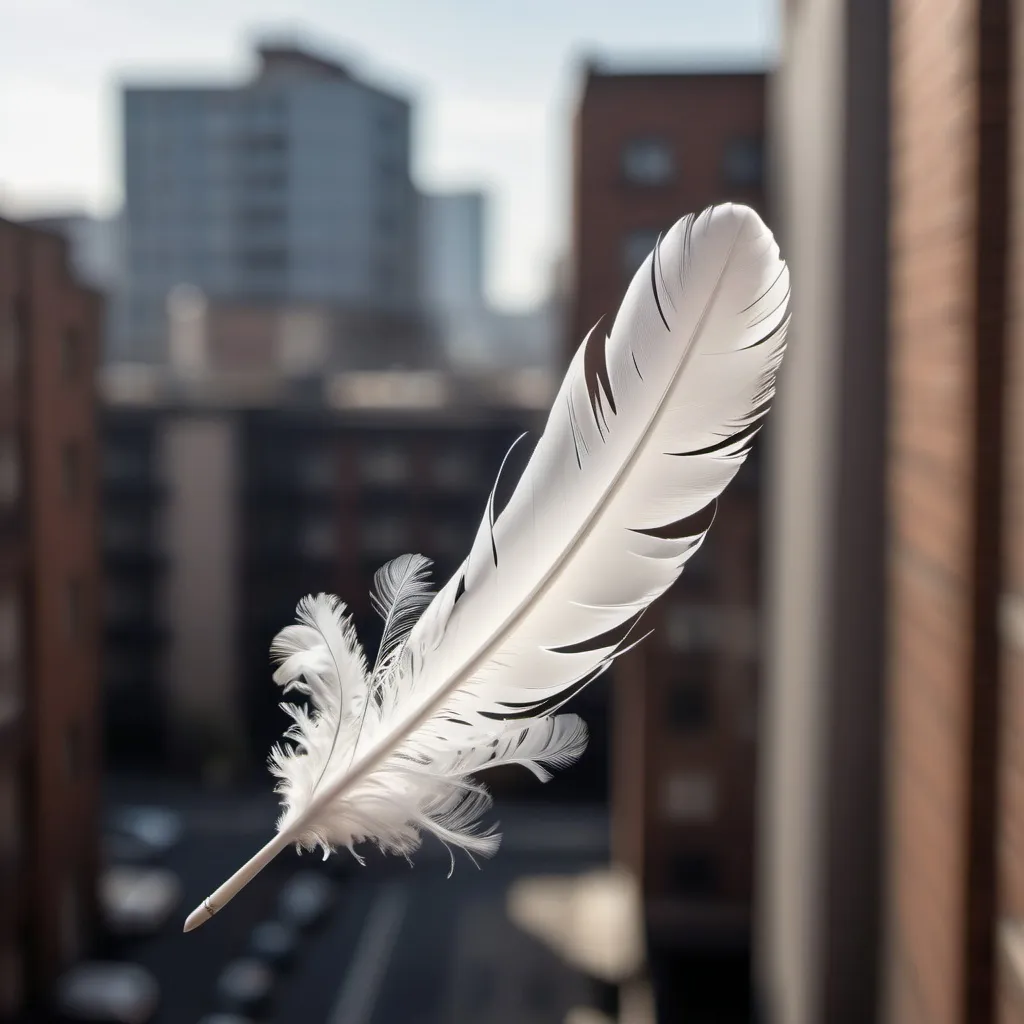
[(140, 835), (138, 900), (107, 993)]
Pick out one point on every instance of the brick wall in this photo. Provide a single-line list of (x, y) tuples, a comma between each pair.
[(1011, 782), (57, 348), (695, 866), (948, 211)]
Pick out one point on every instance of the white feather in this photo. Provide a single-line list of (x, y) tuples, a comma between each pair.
[(650, 425)]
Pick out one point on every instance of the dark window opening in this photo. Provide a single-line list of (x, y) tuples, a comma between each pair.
[(648, 162), (743, 163)]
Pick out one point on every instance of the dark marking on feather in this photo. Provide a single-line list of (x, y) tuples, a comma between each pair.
[(516, 460), (577, 433), (491, 514), (552, 704), (654, 283), (595, 376), (746, 309), (637, 368), (782, 325), (783, 303), (572, 427), (460, 589), (610, 638), (539, 709), (764, 403), (689, 526), (747, 432), (661, 273)]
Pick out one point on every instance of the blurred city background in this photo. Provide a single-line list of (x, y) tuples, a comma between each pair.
[(279, 285)]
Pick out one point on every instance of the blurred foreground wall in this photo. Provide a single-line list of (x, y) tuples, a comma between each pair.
[(49, 614), (892, 867), (820, 784)]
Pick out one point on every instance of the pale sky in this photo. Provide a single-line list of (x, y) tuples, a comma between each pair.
[(494, 84)]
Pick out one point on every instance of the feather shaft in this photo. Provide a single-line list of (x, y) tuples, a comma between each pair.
[(651, 424)]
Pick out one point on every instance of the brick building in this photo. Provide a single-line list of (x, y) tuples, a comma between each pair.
[(49, 582), (649, 148), (893, 867), (223, 507)]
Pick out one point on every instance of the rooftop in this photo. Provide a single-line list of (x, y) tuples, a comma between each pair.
[(280, 58), (408, 392)]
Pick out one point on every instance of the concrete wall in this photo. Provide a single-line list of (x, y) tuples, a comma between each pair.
[(200, 466), (818, 884), (807, 124)]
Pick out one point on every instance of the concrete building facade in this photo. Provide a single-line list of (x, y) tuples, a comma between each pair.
[(452, 251), (294, 186)]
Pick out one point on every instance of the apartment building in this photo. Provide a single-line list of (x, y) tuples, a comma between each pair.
[(49, 623), (648, 148)]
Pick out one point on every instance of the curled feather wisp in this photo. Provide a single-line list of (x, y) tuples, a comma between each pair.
[(651, 423)]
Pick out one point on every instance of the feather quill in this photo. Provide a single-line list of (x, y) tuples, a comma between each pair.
[(651, 423)]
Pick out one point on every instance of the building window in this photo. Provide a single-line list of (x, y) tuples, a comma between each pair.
[(10, 470), (385, 536), (70, 921), (272, 260), (452, 540), (384, 465), (9, 625), (635, 249), (124, 533), (70, 353), (690, 797), (12, 981), (319, 471), (648, 162), (695, 873), (706, 627), (743, 163), (10, 816), (123, 601), (689, 702), (74, 609), (10, 653), (124, 463), (454, 470), (319, 539), (10, 345), (73, 749), (71, 470)]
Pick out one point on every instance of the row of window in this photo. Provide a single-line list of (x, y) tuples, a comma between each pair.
[(11, 343), (384, 466), (11, 477), (390, 466), (380, 536), (74, 612), (653, 162)]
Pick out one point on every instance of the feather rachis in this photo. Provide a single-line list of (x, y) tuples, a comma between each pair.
[(651, 423)]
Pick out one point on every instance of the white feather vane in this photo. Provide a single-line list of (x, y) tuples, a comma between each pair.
[(651, 423)]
